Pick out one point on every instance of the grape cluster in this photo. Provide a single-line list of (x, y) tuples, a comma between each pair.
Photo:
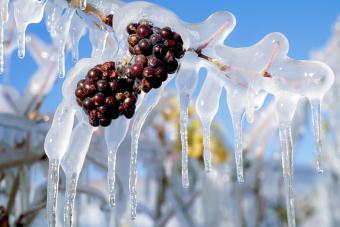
[(156, 52), (105, 94), (111, 89)]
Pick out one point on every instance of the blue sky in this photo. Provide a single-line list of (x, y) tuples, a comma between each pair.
[(307, 25)]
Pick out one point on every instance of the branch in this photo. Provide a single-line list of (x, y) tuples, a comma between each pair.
[(24, 161), (92, 10), (172, 212), (14, 190)]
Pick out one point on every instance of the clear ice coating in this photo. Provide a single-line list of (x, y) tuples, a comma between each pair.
[(26, 12), (248, 75)]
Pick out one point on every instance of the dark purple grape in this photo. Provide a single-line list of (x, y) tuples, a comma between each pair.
[(80, 83), (153, 61), (110, 101), (137, 70), (99, 99), (137, 50), (148, 72), (169, 56), (122, 108), (114, 85), (172, 66), (89, 88), (129, 113), (159, 50), (102, 85), (94, 122), (178, 39), (155, 38), (155, 83), (156, 30), (166, 33), (144, 31), (108, 66), (80, 93), (94, 74), (105, 122), (161, 73), (114, 113), (88, 103), (146, 86), (133, 39), (141, 59), (145, 46), (170, 43), (102, 109), (128, 73), (132, 28)]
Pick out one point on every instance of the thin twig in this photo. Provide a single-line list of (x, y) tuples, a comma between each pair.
[(172, 212), (14, 190), (30, 212), (90, 9), (25, 161)]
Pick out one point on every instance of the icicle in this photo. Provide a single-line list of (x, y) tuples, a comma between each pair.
[(285, 109), (114, 138), (150, 101), (186, 82), (55, 146), (4, 10), (61, 61), (50, 21), (236, 105), (288, 170), (98, 41), (238, 143), (111, 176), (52, 191), (82, 4), (21, 42), (250, 107), (316, 118), (184, 105), (76, 32), (62, 29), (73, 162), (206, 107), (70, 195), (25, 13)]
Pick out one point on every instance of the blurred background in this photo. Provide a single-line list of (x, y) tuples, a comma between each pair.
[(215, 199)]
